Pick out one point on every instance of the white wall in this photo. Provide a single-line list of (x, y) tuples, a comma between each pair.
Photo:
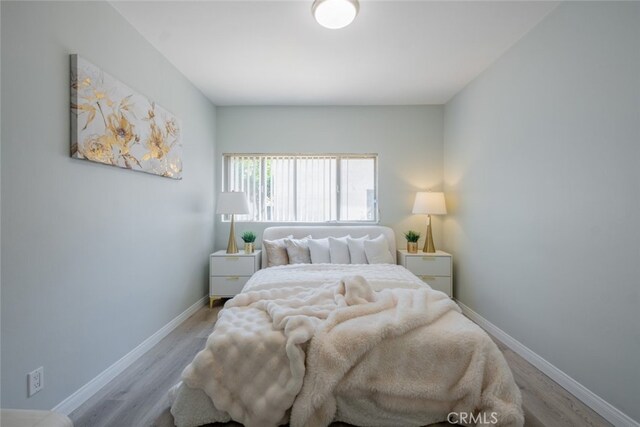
[(408, 140), (95, 258), (542, 171)]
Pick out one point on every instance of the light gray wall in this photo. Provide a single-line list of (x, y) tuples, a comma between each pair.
[(95, 258), (542, 171), (408, 140)]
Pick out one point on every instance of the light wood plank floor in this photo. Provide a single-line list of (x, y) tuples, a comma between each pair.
[(138, 396)]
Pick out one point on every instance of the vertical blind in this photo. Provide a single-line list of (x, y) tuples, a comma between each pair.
[(304, 188)]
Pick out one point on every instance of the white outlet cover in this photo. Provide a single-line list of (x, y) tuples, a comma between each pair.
[(35, 380)]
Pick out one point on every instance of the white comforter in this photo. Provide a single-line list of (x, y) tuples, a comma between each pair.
[(379, 276), (319, 341)]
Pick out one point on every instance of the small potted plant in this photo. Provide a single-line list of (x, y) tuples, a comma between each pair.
[(412, 241), (249, 238)]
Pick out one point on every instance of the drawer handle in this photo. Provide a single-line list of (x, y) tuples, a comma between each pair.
[(232, 258), (233, 278), (427, 278), (428, 258)]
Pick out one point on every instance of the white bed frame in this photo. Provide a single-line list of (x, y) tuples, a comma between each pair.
[(322, 231)]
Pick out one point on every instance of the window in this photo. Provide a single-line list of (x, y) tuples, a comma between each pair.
[(304, 187)]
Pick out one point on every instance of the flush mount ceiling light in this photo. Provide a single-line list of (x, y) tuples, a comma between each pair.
[(334, 14)]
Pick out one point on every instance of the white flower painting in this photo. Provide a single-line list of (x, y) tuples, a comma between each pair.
[(114, 125)]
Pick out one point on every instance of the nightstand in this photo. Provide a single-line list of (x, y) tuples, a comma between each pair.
[(228, 273), (435, 269)]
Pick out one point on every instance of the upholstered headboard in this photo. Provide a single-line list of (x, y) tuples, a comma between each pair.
[(319, 232)]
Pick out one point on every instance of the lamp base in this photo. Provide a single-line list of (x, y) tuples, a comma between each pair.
[(232, 248), (429, 247)]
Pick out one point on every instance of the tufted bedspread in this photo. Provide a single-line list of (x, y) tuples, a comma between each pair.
[(364, 344)]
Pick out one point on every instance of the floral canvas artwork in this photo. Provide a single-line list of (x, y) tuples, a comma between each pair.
[(114, 125)]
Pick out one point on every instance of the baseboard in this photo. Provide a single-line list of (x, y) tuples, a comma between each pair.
[(85, 392), (589, 398)]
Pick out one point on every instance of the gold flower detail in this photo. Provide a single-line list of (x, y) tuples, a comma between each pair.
[(156, 144), (174, 167), (121, 130), (97, 149), (171, 127)]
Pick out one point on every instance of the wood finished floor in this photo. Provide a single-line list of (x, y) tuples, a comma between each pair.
[(138, 396)]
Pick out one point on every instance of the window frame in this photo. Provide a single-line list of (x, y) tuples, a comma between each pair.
[(339, 156)]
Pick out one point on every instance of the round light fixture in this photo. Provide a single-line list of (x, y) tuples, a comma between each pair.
[(334, 14)]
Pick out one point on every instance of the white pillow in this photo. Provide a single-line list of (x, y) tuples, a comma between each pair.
[(298, 251), (339, 250), (356, 249), (319, 250), (377, 251)]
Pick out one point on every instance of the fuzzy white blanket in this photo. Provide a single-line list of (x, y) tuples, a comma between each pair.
[(395, 357), (408, 358)]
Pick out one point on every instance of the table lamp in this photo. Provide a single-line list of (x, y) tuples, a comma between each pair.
[(232, 203), (430, 203)]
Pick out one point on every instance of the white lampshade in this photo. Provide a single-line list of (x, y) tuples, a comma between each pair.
[(335, 14), (234, 202), (428, 202)]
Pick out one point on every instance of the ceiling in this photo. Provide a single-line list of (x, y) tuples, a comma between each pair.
[(274, 53)]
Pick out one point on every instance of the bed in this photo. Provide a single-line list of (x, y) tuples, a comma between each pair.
[(308, 344)]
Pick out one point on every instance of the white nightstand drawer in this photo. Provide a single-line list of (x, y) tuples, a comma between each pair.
[(439, 283), (226, 286), (429, 265), (232, 265)]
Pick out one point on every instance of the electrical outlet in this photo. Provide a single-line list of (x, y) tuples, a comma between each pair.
[(35, 380)]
